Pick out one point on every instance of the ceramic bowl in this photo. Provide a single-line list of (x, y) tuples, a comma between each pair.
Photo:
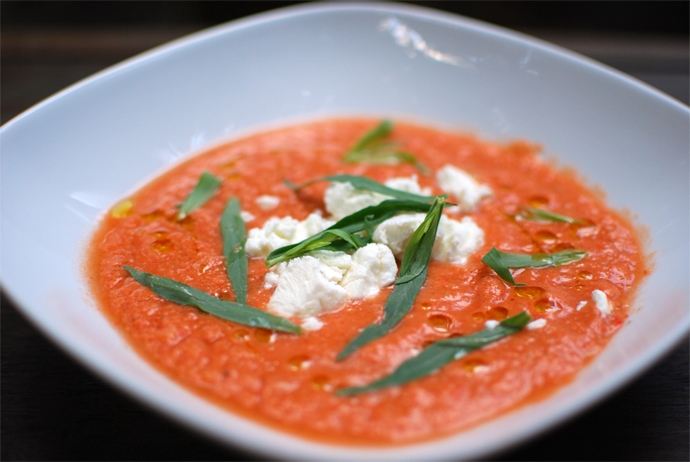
[(74, 155)]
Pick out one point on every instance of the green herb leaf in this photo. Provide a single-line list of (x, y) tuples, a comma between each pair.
[(442, 352), (236, 312), (366, 184), (233, 230), (501, 261), (373, 149), (362, 220), (534, 214), (205, 189), (410, 280)]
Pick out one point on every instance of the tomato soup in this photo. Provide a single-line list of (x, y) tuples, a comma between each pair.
[(290, 381)]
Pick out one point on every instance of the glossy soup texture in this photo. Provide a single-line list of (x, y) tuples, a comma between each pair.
[(288, 381)]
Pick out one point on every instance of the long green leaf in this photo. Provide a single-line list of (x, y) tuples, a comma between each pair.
[(442, 352), (367, 184), (412, 276), (362, 220), (234, 237), (534, 214), (418, 250), (373, 149), (375, 135), (501, 261), (205, 188), (236, 312)]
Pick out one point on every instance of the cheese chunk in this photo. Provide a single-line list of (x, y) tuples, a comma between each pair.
[(536, 324), (601, 301), (462, 187), (279, 232), (455, 240), (396, 231), (373, 267), (306, 288), (267, 202), (343, 199), (322, 281), (311, 323)]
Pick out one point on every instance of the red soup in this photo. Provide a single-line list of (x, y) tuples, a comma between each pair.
[(507, 198)]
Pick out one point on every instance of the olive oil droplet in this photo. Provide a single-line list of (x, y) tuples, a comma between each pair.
[(299, 362), (321, 382), (263, 335), (547, 237), (498, 313), (529, 292), (122, 208), (440, 322)]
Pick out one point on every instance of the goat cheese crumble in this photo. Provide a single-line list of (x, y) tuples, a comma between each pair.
[(267, 202), (462, 187), (601, 301), (308, 286)]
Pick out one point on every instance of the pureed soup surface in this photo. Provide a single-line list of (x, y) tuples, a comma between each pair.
[(289, 381)]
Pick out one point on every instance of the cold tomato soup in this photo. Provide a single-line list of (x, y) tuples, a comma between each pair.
[(290, 381)]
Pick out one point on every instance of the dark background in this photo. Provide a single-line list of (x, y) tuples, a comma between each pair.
[(54, 409), (667, 17)]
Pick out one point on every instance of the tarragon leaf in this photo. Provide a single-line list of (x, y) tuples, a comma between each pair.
[(534, 214), (440, 353), (205, 188), (412, 275), (500, 262), (362, 220), (372, 148), (236, 312), (234, 235)]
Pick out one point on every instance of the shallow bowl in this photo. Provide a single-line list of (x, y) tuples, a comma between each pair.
[(69, 158)]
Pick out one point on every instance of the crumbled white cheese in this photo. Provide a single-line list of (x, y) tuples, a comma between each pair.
[(343, 199), (601, 301), (536, 324), (455, 240), (491, 324), (307, 288), (311, 323), (581, 305), (279, 232), (310, 285), (409, 185), (267, 202), (273, 276), (462, 187), (396, 231), (373, 267), (246, 216)]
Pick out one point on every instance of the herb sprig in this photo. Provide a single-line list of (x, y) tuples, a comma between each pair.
[(500, 262), (413, 270), (236, 312), (233, 230), (333, 238), (442, 352), (205, 188), (372, 148), (535, 214), (367, 184)]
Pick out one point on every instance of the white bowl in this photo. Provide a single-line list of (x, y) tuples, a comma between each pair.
[(67, 159)]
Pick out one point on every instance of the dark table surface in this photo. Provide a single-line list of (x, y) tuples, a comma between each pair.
[(55, 409)]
